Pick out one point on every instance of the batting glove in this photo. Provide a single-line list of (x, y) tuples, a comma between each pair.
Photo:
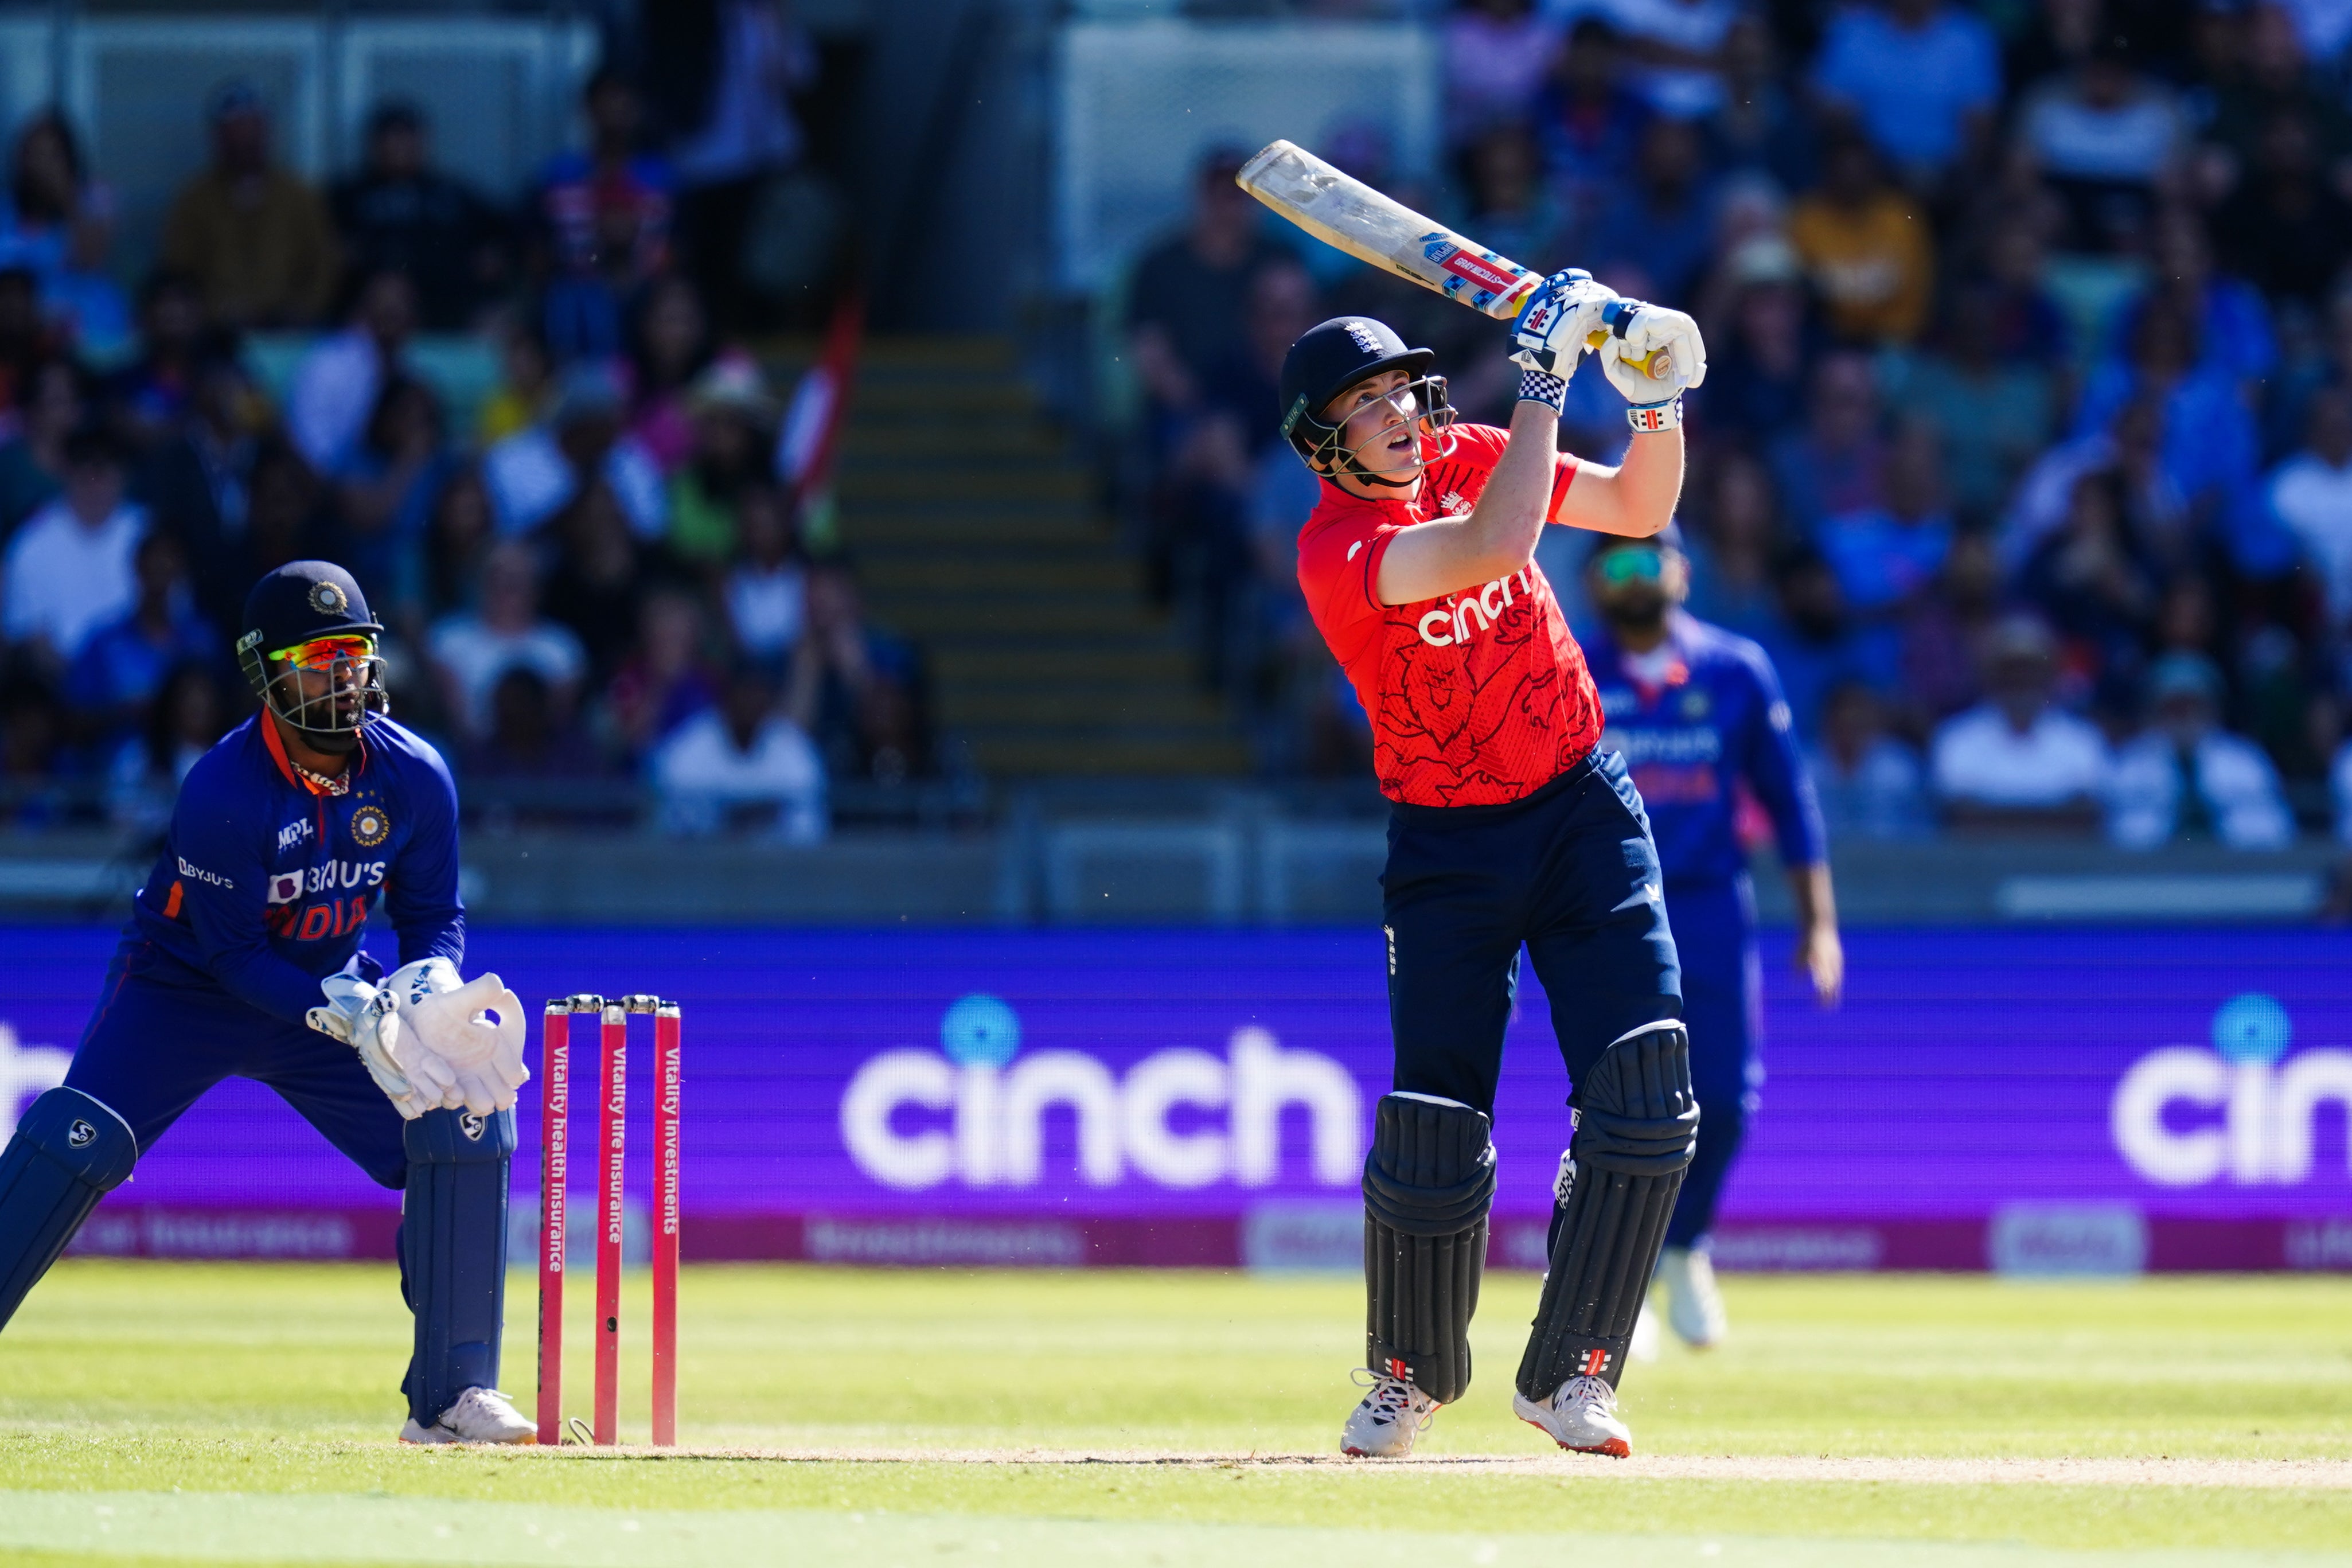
[(1559, 316), (1651, 355)]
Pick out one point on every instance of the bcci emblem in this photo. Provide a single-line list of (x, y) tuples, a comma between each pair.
[(327, 598), (369, 826)]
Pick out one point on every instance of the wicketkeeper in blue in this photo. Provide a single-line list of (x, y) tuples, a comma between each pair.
[(1698, 713), (242, 959)]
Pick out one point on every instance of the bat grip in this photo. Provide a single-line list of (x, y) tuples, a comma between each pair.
[(1658, 365)]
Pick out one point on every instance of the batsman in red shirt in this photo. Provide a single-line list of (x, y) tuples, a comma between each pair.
[(1509, 829)]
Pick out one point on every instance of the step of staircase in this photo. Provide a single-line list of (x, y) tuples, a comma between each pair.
[(979, 532)]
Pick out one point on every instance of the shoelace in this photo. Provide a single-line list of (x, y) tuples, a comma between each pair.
[(1588, 1391), (1392, 1397)]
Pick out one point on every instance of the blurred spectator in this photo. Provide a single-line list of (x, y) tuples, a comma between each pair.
[(125, 662), (1834, 464), (1496, 52), (457, 540), (337, 385), (471, 648), (1761, 125), (256, 238), (2105, 137), (399, 214), (33, 725), (531, 736), (741, 761), (147, 397), (1676, 46), (2028, 325), (1816, 648), (2228, 321), (2017, 761), (733, 430), (1887, 556), (70, 567), (729, 69), (856, 689), (767, 588), (58, 222), (189, 713), (1731, 550), (26, 342), (2311, 494), (385, 488), (534, 473), (668, 677), (596, 583), (2097, 588), (283, 517), (1589, 122), (1190, 293), (1756, 369), (2206, 446), (2188, 779), (604, 218), (526, 386), (1511, 207), (669, 344), (32, 457), (1921, 76), (1993, 415), (1865, 248), (2339, 786), (2285, 229), (196, 479), (1662, 220), (2275, 76), (1949, 630), (1870, 784)]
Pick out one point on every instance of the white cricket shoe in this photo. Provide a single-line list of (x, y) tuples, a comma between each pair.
[(1644, 1344), (1693, 1303), (480, 1415), (1580, 1416), (1391, 1416)]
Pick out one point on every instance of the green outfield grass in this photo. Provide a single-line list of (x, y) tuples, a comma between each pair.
[(162, 1413)]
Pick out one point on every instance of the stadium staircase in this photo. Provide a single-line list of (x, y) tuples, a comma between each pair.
[(978, 532)]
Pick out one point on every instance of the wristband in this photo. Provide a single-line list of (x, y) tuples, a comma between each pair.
[(1537, 386), (1649, 418)]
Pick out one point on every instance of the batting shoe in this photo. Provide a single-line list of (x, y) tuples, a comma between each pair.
[(1390, 1418), (1580, 1416), (1693, 1303), (480, 1415)]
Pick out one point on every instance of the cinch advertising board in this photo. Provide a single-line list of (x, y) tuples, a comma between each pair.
[(2036, 1099)]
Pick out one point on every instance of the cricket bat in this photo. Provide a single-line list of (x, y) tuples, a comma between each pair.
[(1350, 215)]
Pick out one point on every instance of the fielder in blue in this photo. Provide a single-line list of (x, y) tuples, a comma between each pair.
[(242, 959), (1698, 713)]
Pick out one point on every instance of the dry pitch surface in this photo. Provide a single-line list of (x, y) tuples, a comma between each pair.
[(161, 1413)]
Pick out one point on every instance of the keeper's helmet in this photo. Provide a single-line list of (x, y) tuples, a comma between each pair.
[(308, 651), (1329, 359)]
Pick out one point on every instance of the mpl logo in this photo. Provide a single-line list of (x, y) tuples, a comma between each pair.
[(2185, 1116), (994, 1102)]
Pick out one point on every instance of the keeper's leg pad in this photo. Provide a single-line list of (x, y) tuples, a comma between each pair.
[(453, 1253), (1637, 1126), (1428, 1183), (69, 1151)]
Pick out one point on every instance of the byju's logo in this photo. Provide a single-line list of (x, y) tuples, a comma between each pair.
[(2185, 1116), (975, 1110)]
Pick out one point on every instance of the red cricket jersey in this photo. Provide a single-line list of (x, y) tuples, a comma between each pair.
[(1479, 698)]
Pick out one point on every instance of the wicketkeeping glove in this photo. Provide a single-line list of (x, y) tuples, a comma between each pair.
[(367, 1018), (1638, 331), (1552, 326), (478, 1056)]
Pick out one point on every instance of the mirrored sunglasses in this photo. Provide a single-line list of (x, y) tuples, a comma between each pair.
[(321, 653), (1624, 565)]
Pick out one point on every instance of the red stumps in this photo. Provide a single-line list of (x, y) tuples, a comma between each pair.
[(612, 1121), (665, 1197)]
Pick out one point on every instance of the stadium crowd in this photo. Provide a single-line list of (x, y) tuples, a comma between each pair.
[(2026, 442), (602, 572)]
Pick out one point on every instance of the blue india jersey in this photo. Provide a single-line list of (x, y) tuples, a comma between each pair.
[(1715, 722), (266, 880)]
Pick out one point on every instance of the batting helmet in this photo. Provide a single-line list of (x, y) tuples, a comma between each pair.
[(1329, 359)]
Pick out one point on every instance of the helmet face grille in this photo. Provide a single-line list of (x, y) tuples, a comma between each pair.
[(329, 699), (1317, 441)]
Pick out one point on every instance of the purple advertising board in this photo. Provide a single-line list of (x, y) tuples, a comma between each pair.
[(2042, 1100)]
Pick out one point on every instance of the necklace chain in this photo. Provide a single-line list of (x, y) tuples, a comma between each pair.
[(336, 783)]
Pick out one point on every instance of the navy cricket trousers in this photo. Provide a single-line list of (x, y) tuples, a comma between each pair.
[(1714, 933), (1570, 874)]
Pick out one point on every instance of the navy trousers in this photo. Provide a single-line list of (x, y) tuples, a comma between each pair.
[(1714, 932), (1570, 874)]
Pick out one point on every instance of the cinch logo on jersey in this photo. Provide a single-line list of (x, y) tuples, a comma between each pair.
[(1467, 615), (975, 1112), (2185, 1116)]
